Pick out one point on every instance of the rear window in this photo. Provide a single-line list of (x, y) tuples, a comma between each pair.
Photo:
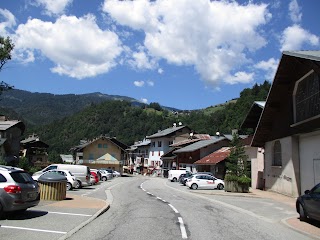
[(21, 177)]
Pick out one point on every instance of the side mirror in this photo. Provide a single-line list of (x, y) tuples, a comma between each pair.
[(307, 192)]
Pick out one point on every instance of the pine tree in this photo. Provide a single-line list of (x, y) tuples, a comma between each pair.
[(237, 162)]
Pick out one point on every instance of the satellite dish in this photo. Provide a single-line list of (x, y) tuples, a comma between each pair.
[(218, 133), (191, 134), (180, 123), (174, 124)]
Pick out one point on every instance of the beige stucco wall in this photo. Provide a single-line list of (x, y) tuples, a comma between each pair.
[(283, 179), (256, 157), (111, 153), (310, 160)]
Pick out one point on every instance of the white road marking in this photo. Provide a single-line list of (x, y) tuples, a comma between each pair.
[(33, 229), (173, 208), (159, 198), (182, 228), (73, 214)]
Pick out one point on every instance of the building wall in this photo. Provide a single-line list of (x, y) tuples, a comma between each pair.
[(283, 179), (309, 160), (105, 154), (256, 158)]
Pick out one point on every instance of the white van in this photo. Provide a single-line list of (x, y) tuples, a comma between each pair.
[(81, 172), (174, 175)]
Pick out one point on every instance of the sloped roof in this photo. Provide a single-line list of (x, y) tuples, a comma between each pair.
[(167, 132), (113, 140), (196, 137), (4, 125), (214, 157), (168, 155), (198, 145), (253, 116), (292, 66)]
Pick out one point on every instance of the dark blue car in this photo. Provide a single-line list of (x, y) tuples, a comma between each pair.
[(308, 205)]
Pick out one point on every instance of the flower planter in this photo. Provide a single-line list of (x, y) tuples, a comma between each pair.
[(232, 186)]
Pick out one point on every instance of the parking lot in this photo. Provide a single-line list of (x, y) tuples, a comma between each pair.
[(54, 219)]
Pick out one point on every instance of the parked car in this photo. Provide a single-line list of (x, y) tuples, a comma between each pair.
[(174, 175), (81, 172), (95, 177), (71, 179), (204, 181), (116, 174), (18, 191), (105, 175), (184, 177), (308, 205)]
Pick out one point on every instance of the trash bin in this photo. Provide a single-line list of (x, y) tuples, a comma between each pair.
[(52, 186)]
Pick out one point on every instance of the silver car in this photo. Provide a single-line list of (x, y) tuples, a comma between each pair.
[(18, 191)]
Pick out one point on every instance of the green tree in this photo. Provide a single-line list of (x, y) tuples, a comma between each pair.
[(6, 47), (24, 164), (237, 162)]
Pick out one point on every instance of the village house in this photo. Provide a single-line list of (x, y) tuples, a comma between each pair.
[(188, 155), (35, 151), (101, 152), (10, 135), (160, 144), (288, 128), (138, 154)]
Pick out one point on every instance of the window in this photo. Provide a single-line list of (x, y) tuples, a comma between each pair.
[(277, 159), (170, 142), (2, 178), (90, 155), (153, 144), (159, 143), (105, 145), (307, 97), (99, 145), (152, 153)]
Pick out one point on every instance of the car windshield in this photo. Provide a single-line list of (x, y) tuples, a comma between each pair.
[(21, 177)]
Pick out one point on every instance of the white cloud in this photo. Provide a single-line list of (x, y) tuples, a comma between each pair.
[(8, 22), (294, 37), (160, 70), (138, 83), (150, 83), (240, 77), (144, 100), (53, 7), (141, 61), (213, 36), (270, 67), (295, 11), (77, 46)]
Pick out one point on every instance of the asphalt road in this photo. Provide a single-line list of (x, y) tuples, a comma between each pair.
[(154, 208)]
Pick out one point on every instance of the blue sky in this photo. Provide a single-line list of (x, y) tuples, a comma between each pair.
[(185, 54)]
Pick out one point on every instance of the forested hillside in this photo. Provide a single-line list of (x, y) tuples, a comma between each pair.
[(131, 123)]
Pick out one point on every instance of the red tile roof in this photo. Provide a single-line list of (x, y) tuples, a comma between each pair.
[(215, 157)]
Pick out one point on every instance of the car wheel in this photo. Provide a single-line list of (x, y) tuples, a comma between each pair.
[(104, 179), (174, 179), (302, 213), (69, 186), (220, 186), (194, 186), (78, 185)]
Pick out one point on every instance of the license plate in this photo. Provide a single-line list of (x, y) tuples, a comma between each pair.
[(32, 195)]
